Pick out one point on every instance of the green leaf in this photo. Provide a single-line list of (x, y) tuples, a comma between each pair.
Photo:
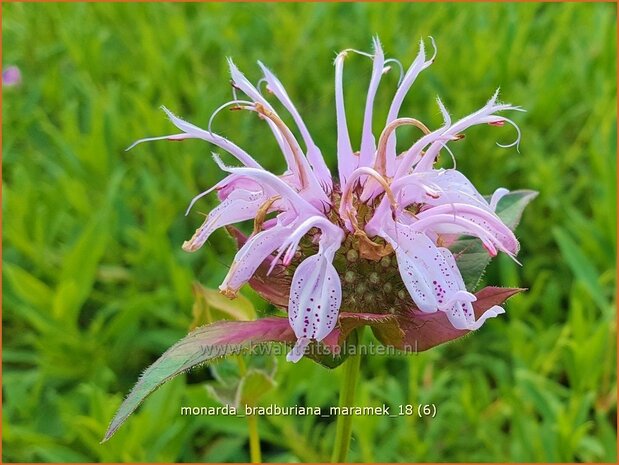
[(27, 287), (225, 395), (580, 265), (254, 385), (202, 345), (512, 205)]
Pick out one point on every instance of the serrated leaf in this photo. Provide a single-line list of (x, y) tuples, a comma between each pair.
[(217, 340)]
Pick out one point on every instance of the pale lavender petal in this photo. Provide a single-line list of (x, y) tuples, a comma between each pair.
[(497, 196), (468, 219), (418, 65), (240, 205), (437, 187), (251, 256), (411, 248), (461, 314), (225, 187), (368, 143), (413, 155), (240, 81), (315, 298), (298, 203), (195, 132), (346, 160), (314, 155), (234, 182), (433, 279), (297, 162), (172, 137), (297, 352), (308, 184), (484, 115), (331, 237), (273, 287)]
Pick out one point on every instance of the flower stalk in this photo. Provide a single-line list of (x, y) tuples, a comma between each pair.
[(255, 454), (343, 428)]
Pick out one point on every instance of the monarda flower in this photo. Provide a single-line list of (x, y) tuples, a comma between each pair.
[(375, 238), (392, 241)]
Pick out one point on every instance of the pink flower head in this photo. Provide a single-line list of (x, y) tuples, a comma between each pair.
[(374, 239), (11, 76)]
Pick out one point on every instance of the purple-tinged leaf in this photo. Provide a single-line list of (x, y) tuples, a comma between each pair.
[(422, 331), (202, 345)]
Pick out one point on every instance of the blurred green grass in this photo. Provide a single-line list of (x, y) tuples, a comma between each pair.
[(96, 286)]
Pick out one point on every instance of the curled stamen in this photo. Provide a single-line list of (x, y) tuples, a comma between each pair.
[(434, 47), (234, 89), (262, 213), (346, 210), (344, 53), (221, 107), (397, 62), (517, 141), (381, 153), (259, 84), (264, 111)]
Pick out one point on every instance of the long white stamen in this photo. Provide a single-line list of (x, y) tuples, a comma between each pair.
[(221, 107)]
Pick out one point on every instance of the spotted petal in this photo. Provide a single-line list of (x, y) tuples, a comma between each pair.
[(433, 280), (251, 255), (240, 205), (315, 298)]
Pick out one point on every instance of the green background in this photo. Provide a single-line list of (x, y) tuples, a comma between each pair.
[(96, 285)]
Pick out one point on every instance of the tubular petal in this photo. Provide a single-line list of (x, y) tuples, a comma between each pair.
[(418, 65), (432, 277), (315, 298), (346, 160), (250, 256), (298, 203), (461, 314), (313, 152), (481, 116), (194, 131), (440, 186), (368, 144), (469, 220), (240, 205), (285, 139)]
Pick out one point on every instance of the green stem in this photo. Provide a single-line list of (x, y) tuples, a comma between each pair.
[(343, 428), (254, 440), (252, 422)]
